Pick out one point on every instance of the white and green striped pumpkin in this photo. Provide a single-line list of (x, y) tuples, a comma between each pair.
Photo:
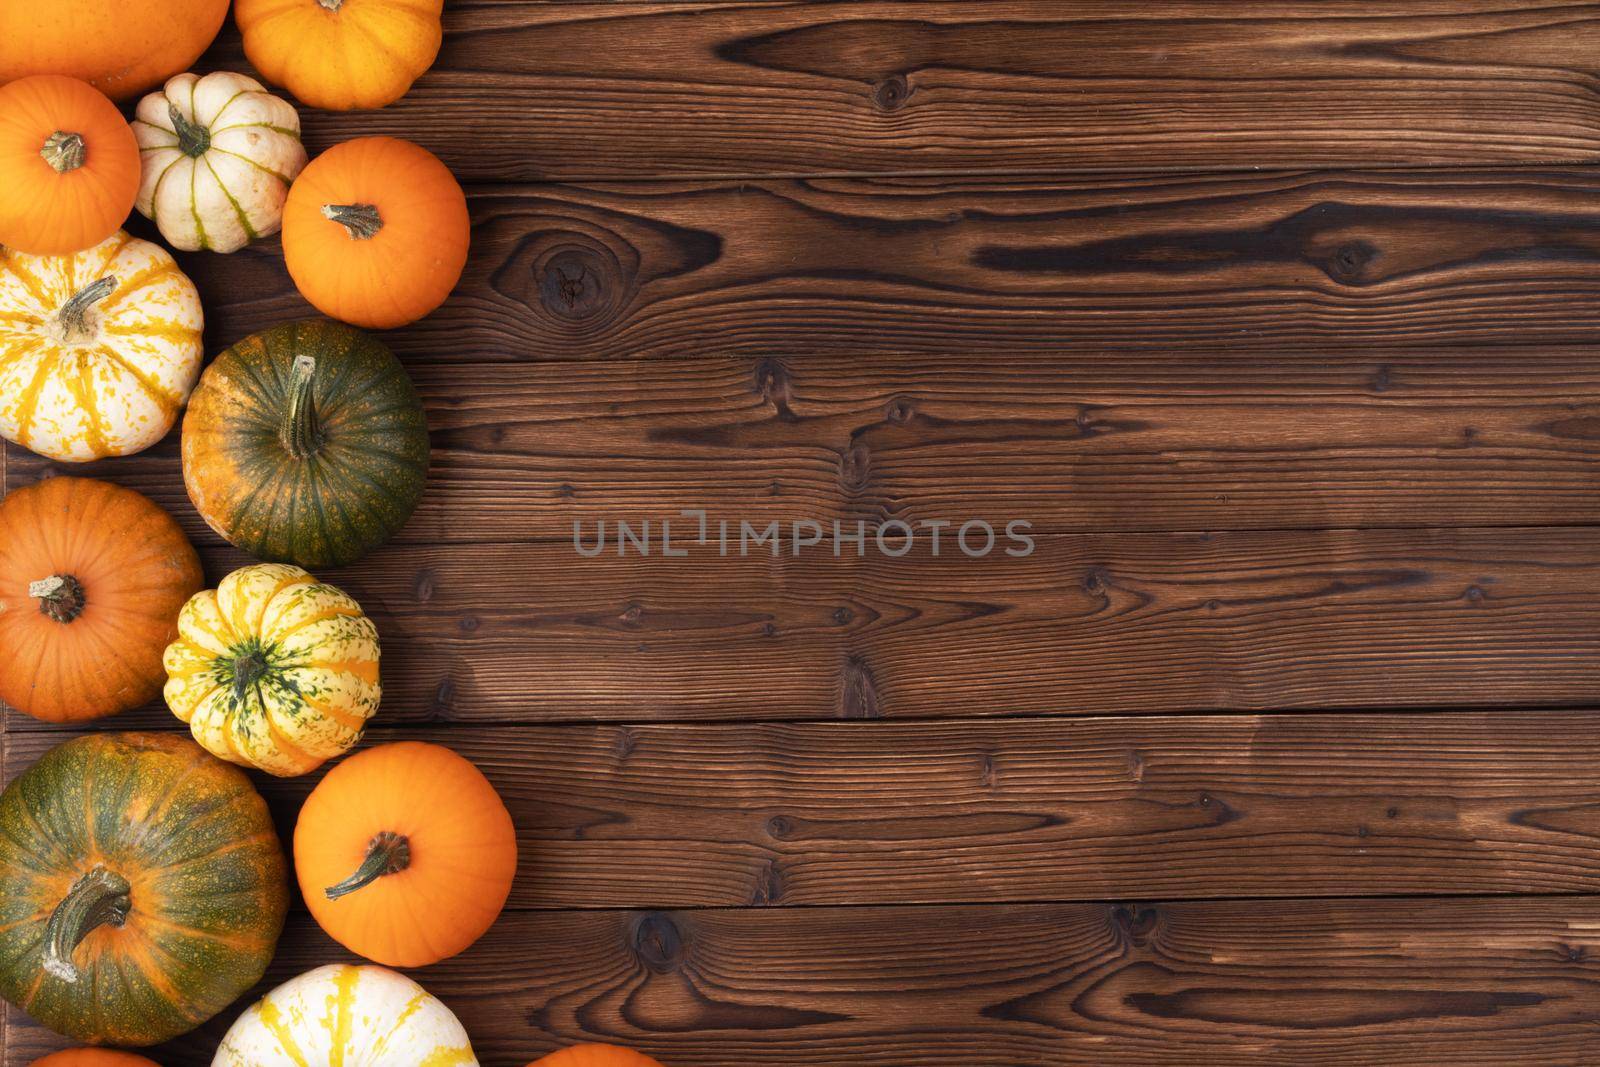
[(217, 155), (354, 1015)]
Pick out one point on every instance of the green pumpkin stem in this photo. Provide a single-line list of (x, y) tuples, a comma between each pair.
[(60, 596), (361, 220), (194, 140), (74, 314), (387, 853), (64, 151), (301, 435), (247, 669), (99, 897)]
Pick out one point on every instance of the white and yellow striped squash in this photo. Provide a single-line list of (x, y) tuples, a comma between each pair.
[(359, 1016), (273, 669), (216, 157), (98, 350)]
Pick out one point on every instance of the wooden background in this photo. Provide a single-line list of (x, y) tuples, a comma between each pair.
[(1278, 321)]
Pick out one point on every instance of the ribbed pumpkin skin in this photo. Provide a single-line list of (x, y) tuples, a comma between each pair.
[(340, 1014), (334, 506), (595, 1056), (121, 47), (206, 875), (135, 571)]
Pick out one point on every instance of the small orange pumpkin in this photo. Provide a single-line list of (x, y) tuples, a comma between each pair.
[(93, 1057), (341, 54), (375, 232), (405, 853), (92, 576), (121, 47), (595, 1056), (69, 166)]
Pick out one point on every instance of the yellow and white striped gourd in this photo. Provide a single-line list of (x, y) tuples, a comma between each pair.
[(98, 350), (217, 155), (274, 669), (362, 1016)]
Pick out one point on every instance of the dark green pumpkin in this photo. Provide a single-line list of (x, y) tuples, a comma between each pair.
[(306, 443), (142, 888)]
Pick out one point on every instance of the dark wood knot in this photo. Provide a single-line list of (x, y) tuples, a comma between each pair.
[(574, 283), (855, 466), (658, 943), (892, 93), (1137, 925), (1349, 262)]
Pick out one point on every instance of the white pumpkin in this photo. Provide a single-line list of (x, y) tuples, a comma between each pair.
[(360, 1016), (217, 155), (98, 350)]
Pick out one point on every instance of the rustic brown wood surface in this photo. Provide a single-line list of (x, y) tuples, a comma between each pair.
[(1275, 321)]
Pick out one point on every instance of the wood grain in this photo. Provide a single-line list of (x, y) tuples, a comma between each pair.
[(1335, 261), (533, 91), (1424, 983), (1063, 810), (1110, 442), (1130, 623)]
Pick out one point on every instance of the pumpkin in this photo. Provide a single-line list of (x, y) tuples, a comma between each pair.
[(98, 350), (405, 853), (93, 1057), (306, 443), (595, 1056), (142, 888), (69, 165), (91, 579), (217, 155), (273, 669), (120, 48), (349, 1015), (375, 232), (341, 54)]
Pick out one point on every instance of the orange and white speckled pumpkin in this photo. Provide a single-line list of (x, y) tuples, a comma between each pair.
[(98, 350), (349, 1015)]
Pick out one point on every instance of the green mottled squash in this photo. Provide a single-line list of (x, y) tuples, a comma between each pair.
[(142, 888), (306, 444)]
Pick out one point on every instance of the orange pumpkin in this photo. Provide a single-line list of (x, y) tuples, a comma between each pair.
[(375, 232), (341, 54), (405, 853), (121, 47), (93, 1057), (595, 1056), (91, 580), (69, 166)]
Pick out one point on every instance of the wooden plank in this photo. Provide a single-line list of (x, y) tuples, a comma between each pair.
[(1061, 810), (1277, 262), (1131, 623), (534, 91), (1117, 441), (1419, 983)]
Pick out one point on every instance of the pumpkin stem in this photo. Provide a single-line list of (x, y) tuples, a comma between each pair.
[(387, 853), (194, 140), (300, 434), (331, 5), (362, 220), (97, 898), (60, 596), (64, 151), (74, 314), (246, 670)]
